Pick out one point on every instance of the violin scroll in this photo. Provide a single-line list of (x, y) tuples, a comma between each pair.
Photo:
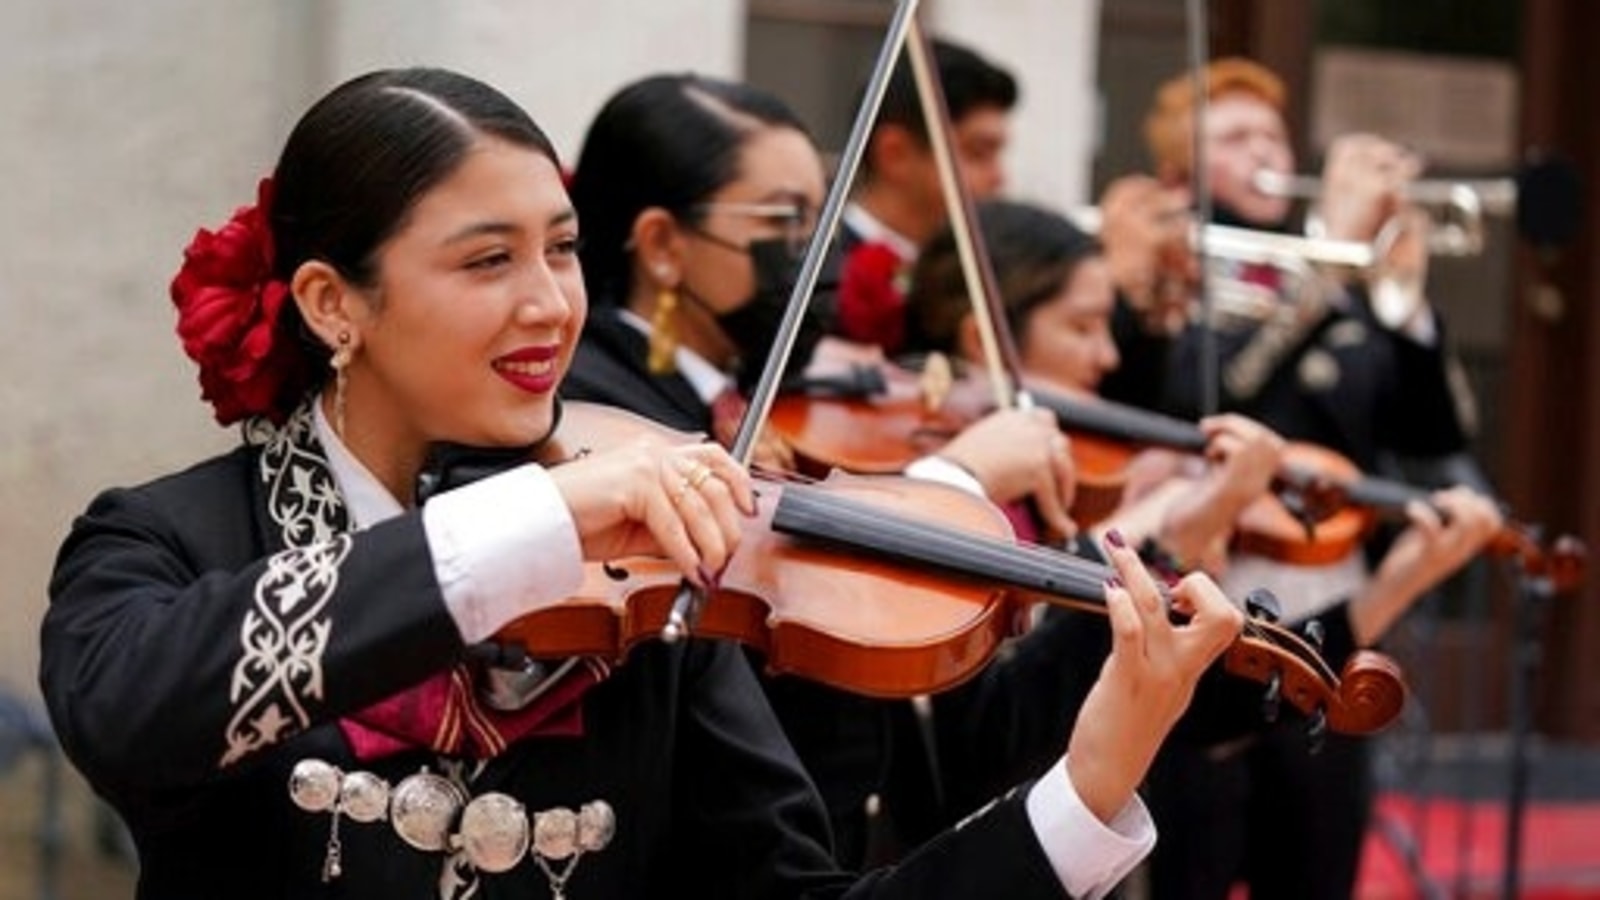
[(1371, 692), (1563, 566), (1365, 698)]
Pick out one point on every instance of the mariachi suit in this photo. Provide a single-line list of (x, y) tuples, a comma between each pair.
[(1268, 810), (208, 630), (1007, 724)]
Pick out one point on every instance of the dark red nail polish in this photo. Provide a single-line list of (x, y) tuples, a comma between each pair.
[(711, 580), (1114, 538)]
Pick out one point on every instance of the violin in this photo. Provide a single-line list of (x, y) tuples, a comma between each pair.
[(878, 417), (892, 588), (1322, 505), (906, 417), (874, 418), (883, 587)]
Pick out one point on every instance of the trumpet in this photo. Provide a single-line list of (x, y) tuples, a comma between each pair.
[(1285, 251), (1298, 258), (1457, 207)]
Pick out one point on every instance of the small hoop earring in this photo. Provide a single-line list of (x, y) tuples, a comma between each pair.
[(341, 359), (664, 333)]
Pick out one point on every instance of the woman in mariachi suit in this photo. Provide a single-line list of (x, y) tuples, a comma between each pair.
[(696, 194), (270, 663)]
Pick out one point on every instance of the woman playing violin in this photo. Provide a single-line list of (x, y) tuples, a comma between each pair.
[(266, 662), (1056, 293), (688, 245), (690, 257)]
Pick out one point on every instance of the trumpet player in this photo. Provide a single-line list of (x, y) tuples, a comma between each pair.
[(1329, 360)]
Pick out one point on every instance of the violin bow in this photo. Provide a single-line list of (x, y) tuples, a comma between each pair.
[(689, 599), (994, 329)]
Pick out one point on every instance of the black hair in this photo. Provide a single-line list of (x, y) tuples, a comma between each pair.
[(358, 161), (361, 157), (970, 83), (668, 141), (1034, 252)]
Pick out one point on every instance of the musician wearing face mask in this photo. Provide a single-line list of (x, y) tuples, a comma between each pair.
[(1364, 371), (682, 184), (287, 667)]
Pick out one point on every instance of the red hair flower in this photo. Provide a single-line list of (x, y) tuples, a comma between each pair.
[(871, 307), (228, 302)]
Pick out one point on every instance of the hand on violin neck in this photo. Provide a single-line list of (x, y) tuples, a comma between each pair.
[(1200, 512), (1020, 454), (1148, 679), (1446, 533), (651, 496), (1246, 454)]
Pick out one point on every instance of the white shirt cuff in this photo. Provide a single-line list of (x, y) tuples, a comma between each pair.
[(1089, 856), (943, 471), (502, 547)]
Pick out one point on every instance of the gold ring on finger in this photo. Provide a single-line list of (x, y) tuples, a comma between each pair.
[(697, 476)]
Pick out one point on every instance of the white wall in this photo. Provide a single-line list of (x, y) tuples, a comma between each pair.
[(560, 59), (121, 139)]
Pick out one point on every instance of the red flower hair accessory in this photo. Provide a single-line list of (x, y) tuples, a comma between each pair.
[(228, 302), (872, 303)]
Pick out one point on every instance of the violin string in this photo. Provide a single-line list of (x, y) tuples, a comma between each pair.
[(968, 551), (997, 556), (819, 513)]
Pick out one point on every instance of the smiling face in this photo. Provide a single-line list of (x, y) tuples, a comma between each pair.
[(478, 304)]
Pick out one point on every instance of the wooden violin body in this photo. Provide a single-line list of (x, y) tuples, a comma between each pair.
[(902, 417), (889, 587), (848, 621), (1315, 533), (1322, 506)]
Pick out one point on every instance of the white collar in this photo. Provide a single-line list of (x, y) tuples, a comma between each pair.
[(365, 498), (872, 229), (707, 380)]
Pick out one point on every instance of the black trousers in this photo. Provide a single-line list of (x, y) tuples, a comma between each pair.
[(1267, 811)]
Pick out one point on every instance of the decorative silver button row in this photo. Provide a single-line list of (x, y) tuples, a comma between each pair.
[(494, 832)]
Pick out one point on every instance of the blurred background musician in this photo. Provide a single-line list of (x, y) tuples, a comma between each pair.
[(898, 204), (1323, 363), (696, 195)]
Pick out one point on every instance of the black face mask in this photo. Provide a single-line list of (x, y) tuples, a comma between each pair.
[(753, 327)]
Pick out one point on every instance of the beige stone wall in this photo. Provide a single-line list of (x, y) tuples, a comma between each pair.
[(120, 139), (130, 125)]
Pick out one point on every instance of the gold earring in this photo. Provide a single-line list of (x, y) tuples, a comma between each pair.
[(664, 333), (341, 359)]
